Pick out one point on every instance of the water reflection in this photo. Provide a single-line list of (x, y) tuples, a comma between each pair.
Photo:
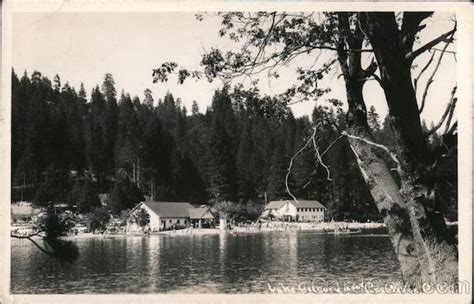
[(198, 263)]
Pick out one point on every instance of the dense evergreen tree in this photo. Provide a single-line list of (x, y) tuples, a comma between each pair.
[(125, 195), (148, 100), (373, 120), (95, 134), (127, 143), (111, 121), (237, 151), (54, 188)]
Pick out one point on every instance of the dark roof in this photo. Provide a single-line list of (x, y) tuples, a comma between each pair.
[(170, 209), (178, 210), (200, 213), (307, 204), (275, 204)]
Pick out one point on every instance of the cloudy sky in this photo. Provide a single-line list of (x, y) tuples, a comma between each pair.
[(82, 47)]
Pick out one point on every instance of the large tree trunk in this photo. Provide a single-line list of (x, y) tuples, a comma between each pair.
[(391, 205), (424, 253), (433, 241), (417, 230)]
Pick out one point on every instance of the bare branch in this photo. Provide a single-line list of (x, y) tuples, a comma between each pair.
[(412, 55), (392, 155), (360, 165), (318, 156), (30, 237), (265, 40), (449, 52), (451, 112), (452, 129), (25, 236), (449, 109), (331, 145), (430, 80), (291, 164), (415, 82)]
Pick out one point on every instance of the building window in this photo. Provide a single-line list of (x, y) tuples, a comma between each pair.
[(170, 221), (178, 221)]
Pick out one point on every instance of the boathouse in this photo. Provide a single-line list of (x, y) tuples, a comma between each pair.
[(169, 215), (297, 211)]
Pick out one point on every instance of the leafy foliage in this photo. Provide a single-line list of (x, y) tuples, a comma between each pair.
[(142, 217), (99, 219)]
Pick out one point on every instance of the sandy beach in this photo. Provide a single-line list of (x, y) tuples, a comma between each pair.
[(271, 227)]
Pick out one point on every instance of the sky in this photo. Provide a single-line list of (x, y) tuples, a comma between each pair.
[(83, 46)]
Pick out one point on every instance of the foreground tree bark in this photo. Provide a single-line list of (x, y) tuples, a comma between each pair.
[(426, 251)]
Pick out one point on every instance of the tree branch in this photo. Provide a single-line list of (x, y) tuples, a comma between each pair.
[(25, 236), (365, 176), (449, 109), (29, 237), (318, 156), (451, 112), (392, 155), (288, 172), (331, 145), (370, 70), (415, 82), (411, 26), (412, 55), (430, 80), (452, 129), (446, 51)]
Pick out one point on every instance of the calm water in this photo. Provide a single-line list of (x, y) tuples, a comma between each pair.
[(223, 263)]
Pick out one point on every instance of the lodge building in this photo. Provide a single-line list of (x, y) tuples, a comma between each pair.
[(170, 215), (297, 211)]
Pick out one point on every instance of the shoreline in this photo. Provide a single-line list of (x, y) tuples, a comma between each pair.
[(324, 227), (265, 227)]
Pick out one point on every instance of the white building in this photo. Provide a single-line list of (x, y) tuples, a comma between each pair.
[(168, 215), (299, 211)]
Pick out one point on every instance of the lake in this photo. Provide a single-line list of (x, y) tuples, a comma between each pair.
[(224, 263)]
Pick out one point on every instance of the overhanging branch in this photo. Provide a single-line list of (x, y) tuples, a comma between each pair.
[(412, 55)]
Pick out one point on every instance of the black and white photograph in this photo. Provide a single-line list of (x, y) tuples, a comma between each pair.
[(236, 150)]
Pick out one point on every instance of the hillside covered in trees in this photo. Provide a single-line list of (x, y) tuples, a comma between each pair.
[(69, 146)]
